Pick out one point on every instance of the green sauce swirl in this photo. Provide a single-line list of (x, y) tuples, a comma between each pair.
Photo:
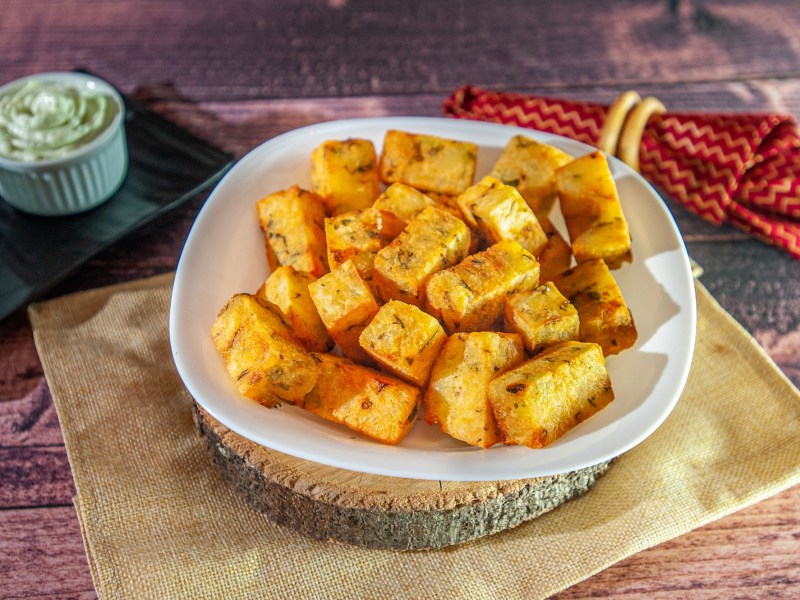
[(46, 120)]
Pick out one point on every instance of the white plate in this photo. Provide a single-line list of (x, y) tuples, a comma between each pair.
[(224, 254)]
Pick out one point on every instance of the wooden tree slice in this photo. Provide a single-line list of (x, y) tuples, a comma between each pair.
[(375, 511)]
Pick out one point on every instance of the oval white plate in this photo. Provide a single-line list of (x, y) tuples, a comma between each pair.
[(224, 254)]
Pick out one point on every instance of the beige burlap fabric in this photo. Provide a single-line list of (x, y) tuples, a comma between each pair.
[(159, 522)]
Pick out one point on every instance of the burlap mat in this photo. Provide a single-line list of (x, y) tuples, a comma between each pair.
[(159, 522)]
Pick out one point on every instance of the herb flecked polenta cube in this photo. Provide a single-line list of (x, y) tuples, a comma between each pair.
[(556, 256), (592, 211), (293, 224), (288, 290), (470, 295), (543, 316), (603, 313), (261, 354), (539, 401), (530, 166), (345, 174), (457, 395), (427, 162), (500, 213), (346, 305), (432, 241), (354, 236), (404, 340), (365, 400), (398, 205)]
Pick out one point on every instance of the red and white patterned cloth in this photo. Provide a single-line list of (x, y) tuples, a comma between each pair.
[(742, 169)]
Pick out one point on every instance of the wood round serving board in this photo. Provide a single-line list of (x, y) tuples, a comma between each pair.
[(376, 511)]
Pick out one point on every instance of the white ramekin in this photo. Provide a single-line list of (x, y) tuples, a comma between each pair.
[(78, 181)]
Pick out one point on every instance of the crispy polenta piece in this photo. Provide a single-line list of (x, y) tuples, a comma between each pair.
[(377, 405), (457, 396), (556, 256), (404, 340), (287, 288), (542, 399), (345, 174), (530, 166), (354, 236), (432, 241), (292, 221), (604, 316), (592, 210), (542, 316), (346, 305), (500, 213), (398, 205), (427, 162), (470, 295), (261, 354)]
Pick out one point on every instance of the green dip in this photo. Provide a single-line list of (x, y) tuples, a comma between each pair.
[(46, 120)]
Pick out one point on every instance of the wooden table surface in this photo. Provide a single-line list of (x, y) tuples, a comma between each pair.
[(239, 72)]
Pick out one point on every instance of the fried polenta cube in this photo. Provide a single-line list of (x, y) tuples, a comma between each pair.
[(398, 205), (293, 224), (287, 288), (604, 316), (539, 401), (457, 395), (346, 305), (432, 241), (592, 211), (354, 236), (365, 400), (466, 199), (428, 163), (556, 256), (404, 340), (261, 354), (345, 174), (470, 295), (543, 316), (500, 213), (530, 166)]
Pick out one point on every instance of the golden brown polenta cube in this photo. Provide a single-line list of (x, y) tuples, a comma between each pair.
[(404, 340), (470, 295), (427, 162), (604, 316), (466, 199), (432, 241), (592, 211), (287, 288), (365, 400), (354, 236), (530, 166), (346, 305), (543, 316), (293, 224), (539, 401), (457, 396), (345, 174), (556, 256), (398, 205), (261, 354), (500, 213)]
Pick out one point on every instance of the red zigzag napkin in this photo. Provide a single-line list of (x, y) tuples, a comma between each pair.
[(742, 169)]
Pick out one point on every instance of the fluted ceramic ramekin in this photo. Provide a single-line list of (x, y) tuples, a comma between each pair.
[(83, 178)]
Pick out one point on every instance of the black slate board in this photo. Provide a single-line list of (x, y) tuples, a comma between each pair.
[(168, 166)]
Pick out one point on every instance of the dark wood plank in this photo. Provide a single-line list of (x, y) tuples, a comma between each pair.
[(42, 555), (250, 49), (30, 420), (35, 476)]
